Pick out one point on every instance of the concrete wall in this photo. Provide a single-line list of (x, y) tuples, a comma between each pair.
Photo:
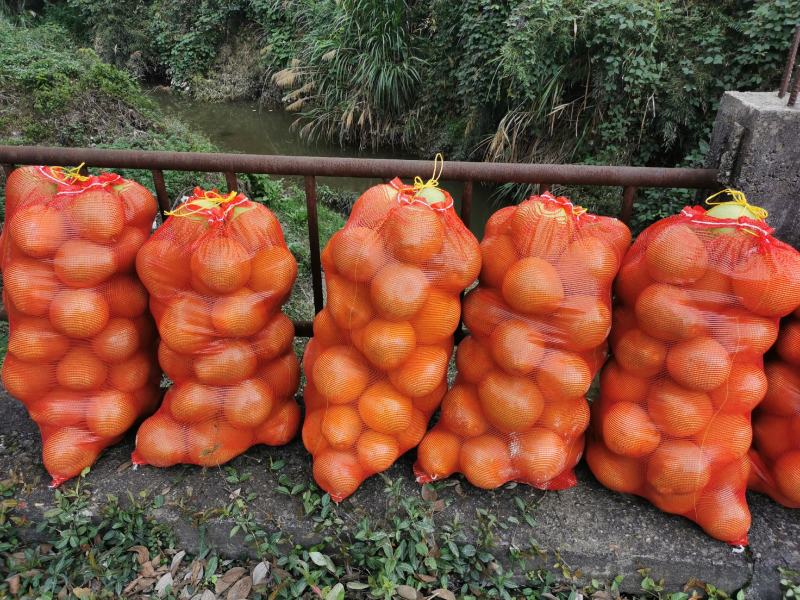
[(756, 147)]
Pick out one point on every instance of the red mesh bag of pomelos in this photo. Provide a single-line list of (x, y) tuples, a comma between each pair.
[(775, 455), (538, 323), (700, 294), (218, 271), (81, 351), (377, 364)]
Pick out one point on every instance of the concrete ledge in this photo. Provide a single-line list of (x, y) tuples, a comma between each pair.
[(590, 531)]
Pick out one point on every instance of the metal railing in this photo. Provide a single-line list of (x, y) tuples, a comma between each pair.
[(545, 175)]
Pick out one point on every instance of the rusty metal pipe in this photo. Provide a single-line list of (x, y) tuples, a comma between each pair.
[(790, 58), (361, 167)]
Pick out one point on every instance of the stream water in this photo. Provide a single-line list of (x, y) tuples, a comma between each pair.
[(246, 127)]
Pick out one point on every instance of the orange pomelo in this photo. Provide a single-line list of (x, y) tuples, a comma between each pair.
[(35, 340), (60, 408), (568, 417), (192, 402), (744, 389), (186, 325), (376, 451), (632, 279), (665, 312), (340, 374), (273, 272), (589, 264), (126, 296), (772, 436), (240, 314), (628, 430), (583, 322), (532, 285), (485, 461), (81, 370), (422, 372), (138, 203), (517, 347), (539, 455), (357, 253), (473, 360), (254, 226), (676, 255), (248, 404), (462, 413), (384, 409), (767, 283), (282, 375), (27, 382), (178, 367), (677, 467), (161, 442), (68, 451), (563, 375), (348, 302), (783, 389), (399, 291), (787, 475), (640, 354), (617, 385), (275, 338), (484, 309), (540, 231), (338, 473), (117, 342), (225, 363), (326, 331), (163, 267), (744, 334), (311, 433), (127, 247), (414, 233), (281, 427), (723, 514), (31, 286), (429, 403), (438, 318), (37, 230), (438, 454), (79, 263), (699, 363), (97, 214), (387, 344), (221, 264), (618, 473), (498, 255), (510, 403), (727, 437), (131, 374), (110, 413), (677, 411), (788, 346), (213, 443)]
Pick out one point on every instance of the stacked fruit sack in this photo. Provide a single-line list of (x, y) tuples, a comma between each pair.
[(699, 296), (81, 349), (538, 323), (775, 456), (218, 271), (377, 364)]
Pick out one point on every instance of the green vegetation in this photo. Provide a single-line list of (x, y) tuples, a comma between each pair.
[(81, 548), (55, 93), (605, 81)]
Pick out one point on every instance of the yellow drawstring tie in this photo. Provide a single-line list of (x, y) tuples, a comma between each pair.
[(433, 182), (73, 174), (201, 202), (739, 199)]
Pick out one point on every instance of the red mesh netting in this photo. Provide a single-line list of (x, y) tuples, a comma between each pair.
[(538, 322), (699, 301), (218, 271), (775, 456), (81, 350), (377, 364)]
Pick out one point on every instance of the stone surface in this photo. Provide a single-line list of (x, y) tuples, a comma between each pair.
[(756, 147), (590, 531)]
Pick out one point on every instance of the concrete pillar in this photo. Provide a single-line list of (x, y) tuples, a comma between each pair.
[(756, 147)]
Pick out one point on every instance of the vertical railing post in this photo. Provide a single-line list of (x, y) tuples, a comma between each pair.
[(161, 192), (231, 181), (466, 203), (313, 240), (544, 187), (626, 211)]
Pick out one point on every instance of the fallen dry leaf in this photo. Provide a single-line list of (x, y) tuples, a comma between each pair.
[(142, 553), (176, 561), (241, 589), (164, 583)]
